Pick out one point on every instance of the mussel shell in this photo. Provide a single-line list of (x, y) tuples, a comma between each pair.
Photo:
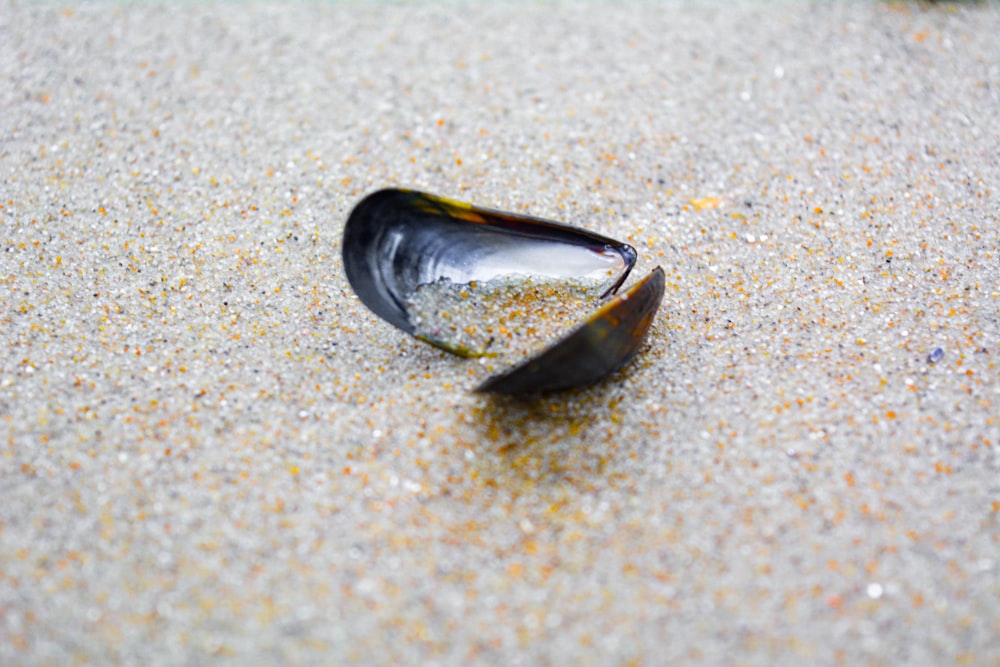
[(396, 240), (601, 345)]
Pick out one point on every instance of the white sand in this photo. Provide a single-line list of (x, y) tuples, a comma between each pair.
[(210, 448)]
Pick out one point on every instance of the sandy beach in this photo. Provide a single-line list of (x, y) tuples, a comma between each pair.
[(212, 452)]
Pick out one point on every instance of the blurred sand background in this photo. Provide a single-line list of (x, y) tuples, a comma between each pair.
[(212, 452)]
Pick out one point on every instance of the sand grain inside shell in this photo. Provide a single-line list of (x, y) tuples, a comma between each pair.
[(510, 317)]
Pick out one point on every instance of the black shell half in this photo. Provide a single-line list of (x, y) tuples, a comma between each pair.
[(601, 345), (396, 240)]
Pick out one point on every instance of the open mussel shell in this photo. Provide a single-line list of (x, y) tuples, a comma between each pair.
[(398, 240)]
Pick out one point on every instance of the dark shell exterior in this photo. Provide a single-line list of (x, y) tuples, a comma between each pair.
[(601, 345), (396, 240)]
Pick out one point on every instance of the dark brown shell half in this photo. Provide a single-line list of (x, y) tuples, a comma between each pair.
[(601, 345)]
